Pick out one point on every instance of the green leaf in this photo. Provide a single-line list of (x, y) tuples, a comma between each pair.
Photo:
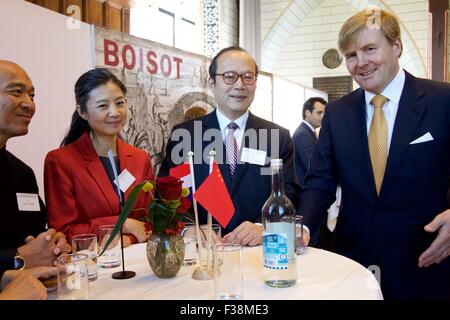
[(161, 218), (124, 214)]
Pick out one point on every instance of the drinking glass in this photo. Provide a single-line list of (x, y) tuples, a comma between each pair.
[(112, 256), (228, 271), (73, 278), (190, 244), (87, 244)]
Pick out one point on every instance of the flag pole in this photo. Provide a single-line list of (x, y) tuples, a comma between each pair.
[(212, 154), (124, 274), (198, 274)]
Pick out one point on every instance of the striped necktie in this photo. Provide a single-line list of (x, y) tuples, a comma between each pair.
[(378, 141), (231, 147)]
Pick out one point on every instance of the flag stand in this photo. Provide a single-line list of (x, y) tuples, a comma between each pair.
[(202, 272), (121, 275)]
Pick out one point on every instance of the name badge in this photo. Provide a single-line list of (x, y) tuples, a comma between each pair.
[(125, 180), (28, 202), (253, 156)]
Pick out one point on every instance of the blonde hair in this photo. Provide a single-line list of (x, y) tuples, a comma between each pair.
[(370, 18)]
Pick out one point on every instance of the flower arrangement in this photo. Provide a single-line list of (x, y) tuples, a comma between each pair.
[(168, 207)]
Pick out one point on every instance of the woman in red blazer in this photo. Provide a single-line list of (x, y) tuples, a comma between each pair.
[(78, 177)]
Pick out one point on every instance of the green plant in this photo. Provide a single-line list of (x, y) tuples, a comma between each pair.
[(168, 207)]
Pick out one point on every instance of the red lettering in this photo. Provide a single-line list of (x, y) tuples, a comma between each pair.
[(177, 62), (110, 52), (154, 69), (132, 59), (126, 64), (165, 72)]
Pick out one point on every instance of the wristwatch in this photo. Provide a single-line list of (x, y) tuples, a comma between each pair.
[(19, 262)]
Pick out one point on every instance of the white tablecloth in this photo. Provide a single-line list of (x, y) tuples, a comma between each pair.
[(321, 275)]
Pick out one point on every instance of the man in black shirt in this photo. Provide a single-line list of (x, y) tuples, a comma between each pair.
[(24, 240)]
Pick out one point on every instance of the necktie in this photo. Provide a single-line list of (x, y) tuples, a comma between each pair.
[(231, 147), (378, 141)]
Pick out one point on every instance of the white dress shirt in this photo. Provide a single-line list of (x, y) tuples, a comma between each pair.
[(310, 126), (393, 92), (238, 133)]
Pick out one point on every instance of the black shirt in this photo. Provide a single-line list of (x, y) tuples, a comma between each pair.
[(15, 226)]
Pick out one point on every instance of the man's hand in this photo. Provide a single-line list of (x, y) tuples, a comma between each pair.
[(38, 272), (306, 236), (43, 250), (246, 234), (24, 287), (440, 247), (24, 284)]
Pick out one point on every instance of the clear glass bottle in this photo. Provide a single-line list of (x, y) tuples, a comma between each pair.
[(278, 218)]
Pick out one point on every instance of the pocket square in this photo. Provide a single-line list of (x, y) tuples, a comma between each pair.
[(426, 137)]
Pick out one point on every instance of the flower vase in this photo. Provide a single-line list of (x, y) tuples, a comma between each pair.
[(165, 254)]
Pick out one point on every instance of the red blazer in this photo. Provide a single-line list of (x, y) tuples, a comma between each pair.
[(79, 195)]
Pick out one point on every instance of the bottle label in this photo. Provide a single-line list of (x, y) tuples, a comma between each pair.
[(275, 251)]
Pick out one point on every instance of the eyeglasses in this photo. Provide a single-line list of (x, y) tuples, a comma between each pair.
[(230, 77)]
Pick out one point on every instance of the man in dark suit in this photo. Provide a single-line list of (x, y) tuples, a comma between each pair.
[(244, 144), (305, 136), (387, 145)]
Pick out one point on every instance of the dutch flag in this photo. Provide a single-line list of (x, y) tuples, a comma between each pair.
[(183, 172)]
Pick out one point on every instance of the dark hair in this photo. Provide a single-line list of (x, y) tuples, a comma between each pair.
[(83, 87), (309, 104), (213, 66)]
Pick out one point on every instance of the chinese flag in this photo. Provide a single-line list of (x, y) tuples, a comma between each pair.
[(214, 197)]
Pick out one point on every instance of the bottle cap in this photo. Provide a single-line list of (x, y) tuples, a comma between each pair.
[(278, 163)]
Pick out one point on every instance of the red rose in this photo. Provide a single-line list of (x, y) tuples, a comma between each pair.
[(169, 188), (184, 206)]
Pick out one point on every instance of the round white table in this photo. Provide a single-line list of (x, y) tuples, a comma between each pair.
[(321, 275)]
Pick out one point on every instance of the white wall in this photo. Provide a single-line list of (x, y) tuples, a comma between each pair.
[(228, 23), (301, 56), (414, 16), (54, 57), (270, 10)]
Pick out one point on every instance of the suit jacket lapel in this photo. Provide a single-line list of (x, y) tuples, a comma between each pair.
[(97, 171), (357, 130), (410, 111), (311, 132)]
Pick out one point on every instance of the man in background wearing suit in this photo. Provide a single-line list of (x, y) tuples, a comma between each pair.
[(387, 145), (246, 142), (305, 136)]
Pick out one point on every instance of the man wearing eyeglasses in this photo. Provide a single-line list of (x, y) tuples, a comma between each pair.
[(247, 142)]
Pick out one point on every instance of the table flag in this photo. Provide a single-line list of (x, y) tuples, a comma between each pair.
[(214, 197)]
